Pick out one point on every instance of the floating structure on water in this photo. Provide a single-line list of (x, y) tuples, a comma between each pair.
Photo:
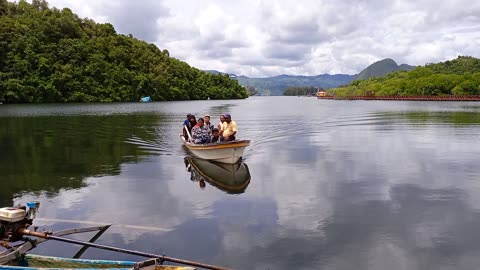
[(323, 95), (411, 98)]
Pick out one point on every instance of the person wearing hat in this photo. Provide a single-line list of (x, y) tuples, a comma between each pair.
[(229, 128), (207, 122)]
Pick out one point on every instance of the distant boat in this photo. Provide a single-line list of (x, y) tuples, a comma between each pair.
[(231, 178), (145, 99)]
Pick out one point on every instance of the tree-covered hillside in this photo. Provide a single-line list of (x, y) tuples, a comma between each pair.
[(52, 55), (381, 68), (460, 76), (301, 91)]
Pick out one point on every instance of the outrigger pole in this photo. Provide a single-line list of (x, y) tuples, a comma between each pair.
[(188, 133), (48, 236)]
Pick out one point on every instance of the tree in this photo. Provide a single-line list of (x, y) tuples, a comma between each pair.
[(460, 76), (51, 55)]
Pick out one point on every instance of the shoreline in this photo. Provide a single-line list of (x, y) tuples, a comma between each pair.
[(410, 98)]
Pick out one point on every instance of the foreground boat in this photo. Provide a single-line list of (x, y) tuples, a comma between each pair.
[(224, 152), (231, 178), (14, 224), (37, 262)]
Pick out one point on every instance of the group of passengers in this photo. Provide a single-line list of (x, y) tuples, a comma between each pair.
[(203, 131)]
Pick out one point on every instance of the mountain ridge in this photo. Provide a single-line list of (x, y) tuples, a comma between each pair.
[(275, 85), (381, 68)]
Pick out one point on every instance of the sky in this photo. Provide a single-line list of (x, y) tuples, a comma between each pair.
[(261, 38)]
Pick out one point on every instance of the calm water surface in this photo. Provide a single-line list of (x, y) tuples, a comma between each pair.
[(334, 184)]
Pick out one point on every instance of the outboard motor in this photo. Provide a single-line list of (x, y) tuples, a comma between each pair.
[(14, 218)]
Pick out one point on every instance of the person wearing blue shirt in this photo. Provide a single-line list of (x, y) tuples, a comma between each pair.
[(185, 122)]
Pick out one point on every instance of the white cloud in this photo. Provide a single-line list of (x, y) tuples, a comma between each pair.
[(265, 37)]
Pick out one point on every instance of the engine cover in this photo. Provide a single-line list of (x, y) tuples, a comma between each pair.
[(11, 214)]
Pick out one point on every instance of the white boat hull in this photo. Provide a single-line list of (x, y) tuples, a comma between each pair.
[(225, 152)]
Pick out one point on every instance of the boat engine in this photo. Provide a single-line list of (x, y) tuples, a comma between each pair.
[(14, 218)]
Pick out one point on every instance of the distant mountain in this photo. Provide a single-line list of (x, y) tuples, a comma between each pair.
[(274, 86), (212, 71), (381, 68)]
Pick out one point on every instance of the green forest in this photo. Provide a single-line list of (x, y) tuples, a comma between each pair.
[(301, 91), (52, 55), (460, 76)]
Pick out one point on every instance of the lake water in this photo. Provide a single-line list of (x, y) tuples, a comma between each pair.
[(333, 184)]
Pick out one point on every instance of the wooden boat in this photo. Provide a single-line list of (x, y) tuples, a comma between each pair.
[(231, 178), (37, 262), (14, 224), (16, 258), (224, 152)]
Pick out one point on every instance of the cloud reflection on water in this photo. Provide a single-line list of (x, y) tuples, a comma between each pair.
[(380, 193)]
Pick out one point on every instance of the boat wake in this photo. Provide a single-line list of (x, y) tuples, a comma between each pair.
[(153, 148)]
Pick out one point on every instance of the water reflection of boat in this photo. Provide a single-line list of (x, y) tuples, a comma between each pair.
[(231, 178)]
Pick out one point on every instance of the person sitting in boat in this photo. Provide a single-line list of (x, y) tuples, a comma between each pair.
[(192, 121), (186, 123), (207, 122), (222, 120), (229, 129), (215, 136), (201, 133)]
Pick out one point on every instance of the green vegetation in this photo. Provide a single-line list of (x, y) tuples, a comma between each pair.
[(301, 91), (381, 68), (457, 77), (52, 55)]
